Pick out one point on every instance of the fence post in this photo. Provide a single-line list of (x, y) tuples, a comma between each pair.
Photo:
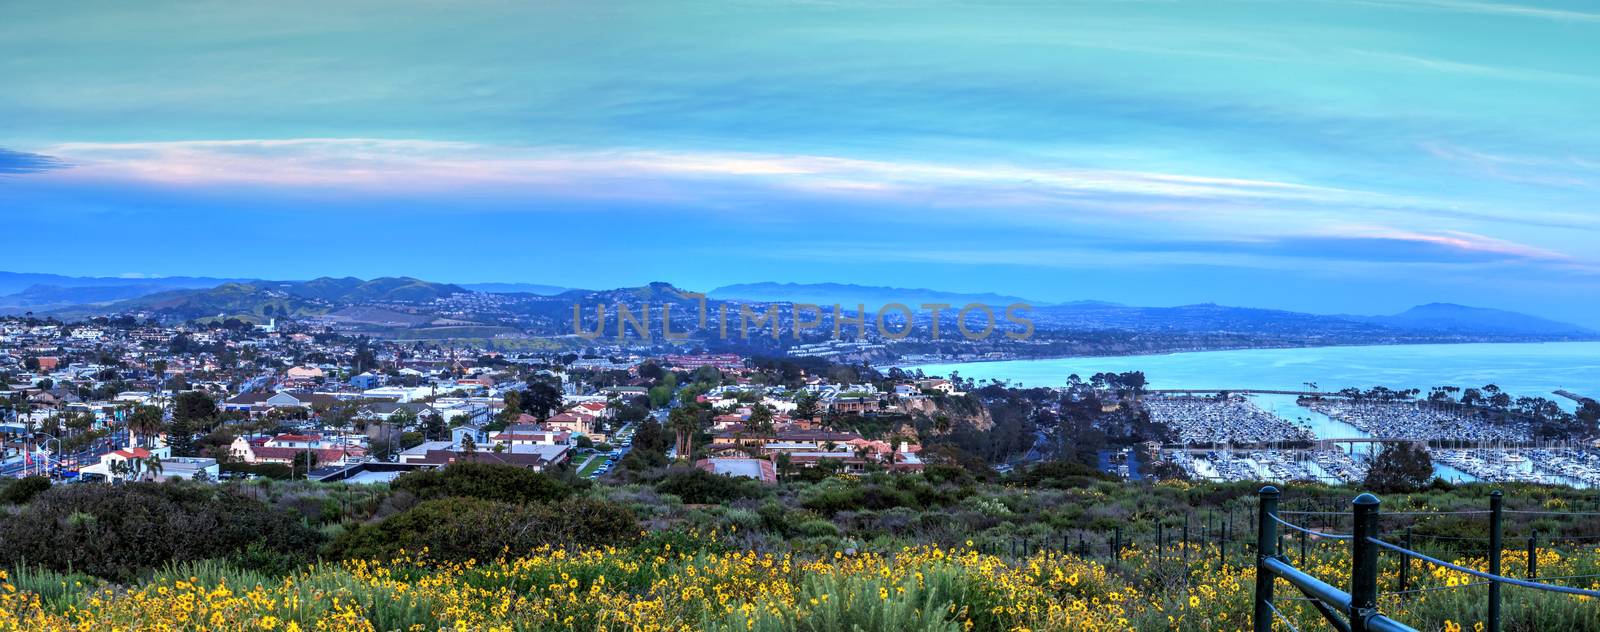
[(1496, 507), (1405, 564), (1533, 554), (1222, 547), (1116, 545), (1364, 558), (1266, 547), (1186, 545), (1161, 544)]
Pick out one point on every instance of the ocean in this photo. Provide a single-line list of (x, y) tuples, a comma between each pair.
[(1521, 369)]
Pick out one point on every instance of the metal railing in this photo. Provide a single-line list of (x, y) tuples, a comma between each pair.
[(1357, 610)]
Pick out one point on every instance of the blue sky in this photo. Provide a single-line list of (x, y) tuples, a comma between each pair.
[(1324, 156)]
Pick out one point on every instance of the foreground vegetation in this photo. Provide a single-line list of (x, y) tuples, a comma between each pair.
[(658, 586), (480, 547)]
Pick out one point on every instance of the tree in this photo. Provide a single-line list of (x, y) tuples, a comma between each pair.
[(433, 428), (541, 399), (196, 408), (304, 461), (683, 421), (144, 423), (120, 469), (403, 418), (761, 419), (805, 406), (152, 466), (180, 437), (1400, 467)]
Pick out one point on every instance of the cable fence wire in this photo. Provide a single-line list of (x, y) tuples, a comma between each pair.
[(1333, 536), (1434, 589), (1282, 617), (1491, 577)]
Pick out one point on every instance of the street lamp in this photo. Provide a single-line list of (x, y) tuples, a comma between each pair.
[(56, 453)]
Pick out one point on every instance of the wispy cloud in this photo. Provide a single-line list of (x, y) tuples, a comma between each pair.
[(16, 162), (1504, 9), (391, 165)]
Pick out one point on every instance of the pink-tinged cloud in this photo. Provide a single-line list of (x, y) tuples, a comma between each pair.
[(1451, 239), (408, 165)]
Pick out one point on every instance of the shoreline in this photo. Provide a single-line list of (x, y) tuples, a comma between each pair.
[(1159, 354)]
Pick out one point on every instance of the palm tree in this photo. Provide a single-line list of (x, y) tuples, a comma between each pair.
[(683, 422), (145, 422), (120, 470), (152, 466)]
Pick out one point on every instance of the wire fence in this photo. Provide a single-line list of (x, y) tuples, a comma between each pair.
[(1357, 610)]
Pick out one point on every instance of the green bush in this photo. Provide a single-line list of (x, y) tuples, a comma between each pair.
[(22, 490), (121, 532), (486, 481), (462, 528), (697, 486), (817, 528)]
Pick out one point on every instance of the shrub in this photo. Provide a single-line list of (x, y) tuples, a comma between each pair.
[(817, 528), (22, 490), (486, 481), (700, 487), (832, 496), (462, 528), (121, 532)]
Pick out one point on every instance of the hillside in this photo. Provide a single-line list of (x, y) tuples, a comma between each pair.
[(274, 299)]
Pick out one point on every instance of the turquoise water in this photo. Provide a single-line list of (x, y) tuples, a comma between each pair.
[(1522, 369)]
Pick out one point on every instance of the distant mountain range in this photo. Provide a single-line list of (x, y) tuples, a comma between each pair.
[(1437, 318), (1450, 317), (270, 299), (364, 300), (22, 292), (850, 295), (516, 288)]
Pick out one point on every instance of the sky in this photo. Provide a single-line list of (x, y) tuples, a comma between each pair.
[(1333, 157)]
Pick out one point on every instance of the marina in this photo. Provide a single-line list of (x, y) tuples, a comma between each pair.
[(1282, 419), (1243, 439)]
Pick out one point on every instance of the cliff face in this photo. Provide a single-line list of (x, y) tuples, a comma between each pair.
[(960, 411)]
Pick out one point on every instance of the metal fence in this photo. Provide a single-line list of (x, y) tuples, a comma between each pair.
[(1356, 610)]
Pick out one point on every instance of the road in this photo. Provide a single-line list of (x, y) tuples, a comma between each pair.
[(72, 461)]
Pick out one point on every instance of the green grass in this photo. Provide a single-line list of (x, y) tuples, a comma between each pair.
[(594, 463)]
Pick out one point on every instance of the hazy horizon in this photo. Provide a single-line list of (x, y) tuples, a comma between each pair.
[(1326, 157)]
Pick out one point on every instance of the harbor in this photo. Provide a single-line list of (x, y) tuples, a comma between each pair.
[(1285, 437)]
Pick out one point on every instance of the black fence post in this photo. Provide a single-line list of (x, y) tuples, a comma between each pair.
[(1533, 554), (1161, 544), (1496, 507), (1116, 544), (1303, 538), (1222, 547), (1364, 558), (1266, 548), (1405, 564), (1186, 545)]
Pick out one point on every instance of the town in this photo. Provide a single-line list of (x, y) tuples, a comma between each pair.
[(118, 400)]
